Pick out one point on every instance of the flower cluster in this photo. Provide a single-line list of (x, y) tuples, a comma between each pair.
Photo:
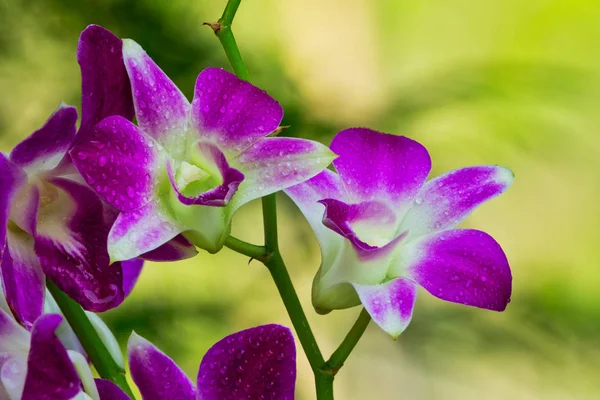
[(84, 207)]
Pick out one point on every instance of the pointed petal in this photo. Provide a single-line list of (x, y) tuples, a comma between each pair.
[(155, 374), (379, 166), (50, 373), (131, 272), (22, 278), (218, 196), (45, 148), (273, 164), (110, 391), (160, 107), (231, 112), (461, 266), (446, 200), (306, 195), (390, 304), (178, 248), (137, 232), (11, 180), (119, 162), (257, 363), (105, 88), (71, 245)]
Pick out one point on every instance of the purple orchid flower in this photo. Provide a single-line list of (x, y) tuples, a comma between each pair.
[(189, 167), (257, 363), (36, 365), (51, 223), (383, 230)]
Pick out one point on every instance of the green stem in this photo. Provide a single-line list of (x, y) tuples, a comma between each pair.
[(227, 39), (98, 353), (340, 355), (251, 250)]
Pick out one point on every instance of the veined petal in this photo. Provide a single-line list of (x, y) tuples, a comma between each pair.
[(193, 190), (71, 245), (463, 266), (273, 164), (131, 272), (379, 166), (50, 373), (390, 304), (22, 278), (140, 231), (119, 162), (231, 112), (446, 200), (155, 374), (257, 363), (110, 391), (306, 195), (160, 107), (105, 88), (11, 180), (178, 248), (45, 148)]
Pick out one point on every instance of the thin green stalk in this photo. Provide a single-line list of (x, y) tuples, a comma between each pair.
[(340, 355), (98, 353), (251, 250)]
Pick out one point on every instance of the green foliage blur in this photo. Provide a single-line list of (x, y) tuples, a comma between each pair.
[(507, 82)]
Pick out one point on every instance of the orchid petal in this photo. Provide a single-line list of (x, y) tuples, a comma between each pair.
[(160, 107), (13, 371), (50, 373), (45, 148), (140, 231), (178, 248), (446, 200), (390, 304), (231, 112), (216, 196), (22, 277), (110, 391), (273, 164), (257, 363), (379, 166), (105, 88), (11, 180), (14, 338), (85, 373), (118, 161), (71, 245), (155, 374), (463, 266), (131, 272)]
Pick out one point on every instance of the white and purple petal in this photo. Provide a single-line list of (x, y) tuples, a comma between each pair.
[(50, 372), (140, 231), (257, 363), (44, 149), (178, 248), (390, 304), (105, 88), (22, 278), (110, 391), (155, 374), (380, 166), (231, 112), (196, 186), (161, 109), (462, 266), (274, 164), (12, 178), (71, 245), (446, 200), (119, 162)]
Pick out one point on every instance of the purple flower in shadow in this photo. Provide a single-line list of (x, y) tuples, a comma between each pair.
[(257, 363), (186, 168), (383, 230)]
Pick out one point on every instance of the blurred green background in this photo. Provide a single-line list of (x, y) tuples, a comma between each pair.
[(507, 82)]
